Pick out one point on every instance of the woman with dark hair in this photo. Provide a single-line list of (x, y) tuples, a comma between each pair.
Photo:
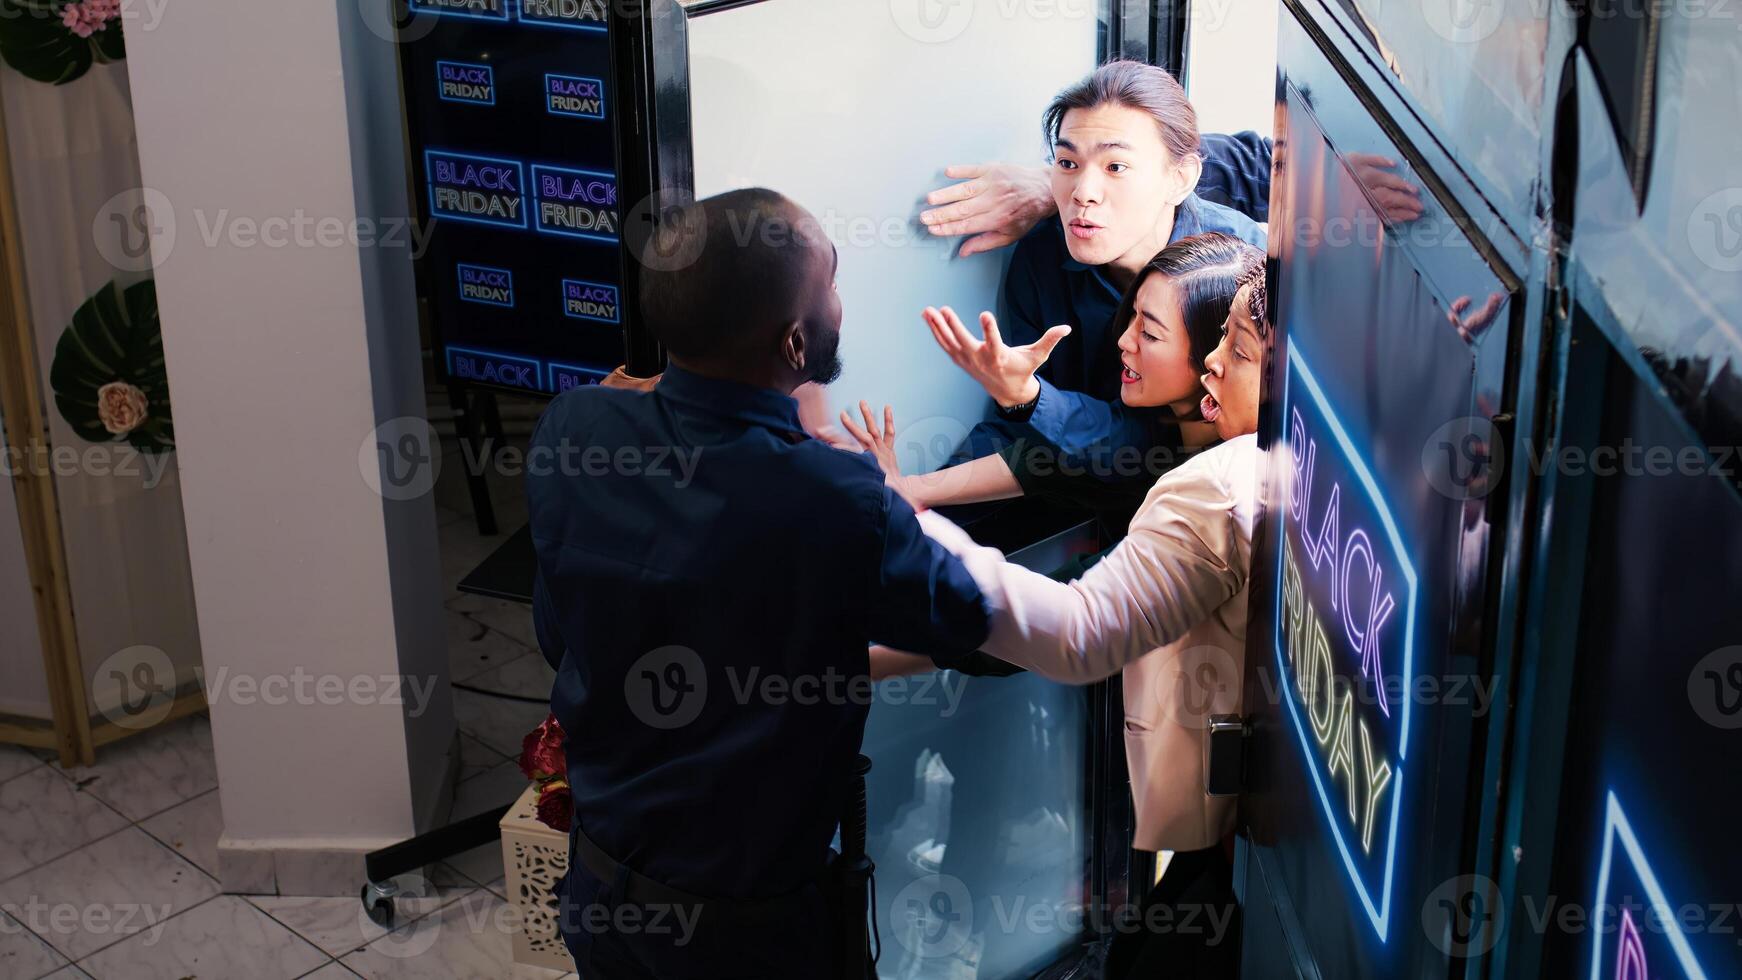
[(1172, 311), (1166, 609), (1127, 157)]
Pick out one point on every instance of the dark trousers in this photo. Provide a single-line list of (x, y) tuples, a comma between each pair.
[(614, 940), (1190, 927)]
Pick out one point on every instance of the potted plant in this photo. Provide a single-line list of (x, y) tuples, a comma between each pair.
[(56, 41)]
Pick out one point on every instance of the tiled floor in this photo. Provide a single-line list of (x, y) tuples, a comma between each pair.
[(108, 872)]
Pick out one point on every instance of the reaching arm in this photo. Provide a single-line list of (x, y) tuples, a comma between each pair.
[(1008, 373), (1013, 374), (995, 204), (1077, 424), (1187, 555), (1072, 422), (924, 599), (973, 482), (887, 663), (986, 478)]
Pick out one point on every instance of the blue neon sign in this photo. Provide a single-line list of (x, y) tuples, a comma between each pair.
[(1631, 938), (584, 300), (479, 189), (486, 285), (574, 95), (576, 203), (576, 15), (566, 376), (485, 367), (1345, 636), (496, 10), (460, 81)]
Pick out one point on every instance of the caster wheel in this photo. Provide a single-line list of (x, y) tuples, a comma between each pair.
[(378, 907)]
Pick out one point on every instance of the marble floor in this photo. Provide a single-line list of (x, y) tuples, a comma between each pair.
[(109, 871)]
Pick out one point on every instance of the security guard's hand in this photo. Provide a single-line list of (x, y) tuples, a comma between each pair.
[(1007, 373)]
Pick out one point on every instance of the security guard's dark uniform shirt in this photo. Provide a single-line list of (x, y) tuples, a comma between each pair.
[(708, 579)]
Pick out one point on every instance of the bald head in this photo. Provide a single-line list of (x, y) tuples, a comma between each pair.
[(755, 269)]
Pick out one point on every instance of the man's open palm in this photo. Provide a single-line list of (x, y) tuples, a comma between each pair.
[(1007, 373)]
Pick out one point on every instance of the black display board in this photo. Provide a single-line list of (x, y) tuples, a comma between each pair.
[(1655, 728), (512, 125)]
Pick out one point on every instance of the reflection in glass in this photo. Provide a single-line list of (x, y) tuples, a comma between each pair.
[(1670, 274), (1476, 68), (977, 825)]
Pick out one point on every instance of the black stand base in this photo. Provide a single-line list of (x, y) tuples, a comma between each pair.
[(383, 866)]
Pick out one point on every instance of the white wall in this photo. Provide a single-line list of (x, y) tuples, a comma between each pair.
[(853, 109), (1231, 64), (242, 115)]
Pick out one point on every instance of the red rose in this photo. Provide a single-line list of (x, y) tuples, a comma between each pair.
[(541, 752), (556, 808)]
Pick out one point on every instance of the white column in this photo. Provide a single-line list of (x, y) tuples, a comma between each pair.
[(287, 344)]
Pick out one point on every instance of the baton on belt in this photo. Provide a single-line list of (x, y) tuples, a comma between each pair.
[(854, 872)]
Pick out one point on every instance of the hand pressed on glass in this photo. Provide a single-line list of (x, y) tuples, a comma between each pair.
[(996, 203)]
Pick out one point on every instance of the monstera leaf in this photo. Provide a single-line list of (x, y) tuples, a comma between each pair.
[(35, 42), (108, 376)]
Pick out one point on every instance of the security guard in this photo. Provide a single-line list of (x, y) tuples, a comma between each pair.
[(709, 577)]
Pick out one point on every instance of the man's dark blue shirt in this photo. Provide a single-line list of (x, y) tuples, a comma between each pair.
[(708, 580), (1236, 172)]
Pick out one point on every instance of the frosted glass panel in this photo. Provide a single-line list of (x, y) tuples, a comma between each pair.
[(853, 109)]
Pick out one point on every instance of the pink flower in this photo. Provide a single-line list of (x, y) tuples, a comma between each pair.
[(72, 16), (120, 407), (86, 17)]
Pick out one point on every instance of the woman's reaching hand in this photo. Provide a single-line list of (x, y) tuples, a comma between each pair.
[(880, 443), (1007, 373)]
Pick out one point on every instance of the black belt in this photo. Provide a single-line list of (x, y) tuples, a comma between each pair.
[(634, 888)]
